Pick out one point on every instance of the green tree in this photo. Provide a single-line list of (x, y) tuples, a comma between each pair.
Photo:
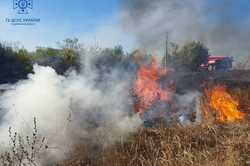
[(118, 51), (14, 65), (191, 55), (110, 58), (24, 58), (71, 50)]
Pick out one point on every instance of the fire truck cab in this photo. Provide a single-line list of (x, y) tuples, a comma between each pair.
[(215, 63)]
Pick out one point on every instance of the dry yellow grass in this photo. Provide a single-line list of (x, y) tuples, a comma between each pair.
[(209, 143), (205, 144)]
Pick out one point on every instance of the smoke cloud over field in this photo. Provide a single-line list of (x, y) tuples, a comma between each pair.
[(223, 25), (92, 107), (70, 110)]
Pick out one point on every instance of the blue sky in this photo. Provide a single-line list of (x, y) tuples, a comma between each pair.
[(89, 20)]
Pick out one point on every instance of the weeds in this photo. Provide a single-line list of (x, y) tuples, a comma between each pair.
[(24, 151)]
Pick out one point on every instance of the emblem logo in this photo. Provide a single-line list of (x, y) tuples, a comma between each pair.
[(23, 6)]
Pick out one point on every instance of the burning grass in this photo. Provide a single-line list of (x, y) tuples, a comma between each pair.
[(220, 137), (223, 137), (219, 101), (212, 142), (147, 89)]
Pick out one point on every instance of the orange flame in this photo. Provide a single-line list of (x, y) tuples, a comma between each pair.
[(146, 87), (223, 104)]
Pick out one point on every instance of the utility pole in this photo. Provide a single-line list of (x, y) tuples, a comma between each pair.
[(166, 51)]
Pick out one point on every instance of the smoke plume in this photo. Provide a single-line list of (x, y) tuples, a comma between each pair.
[(70, 110), (91, 107), (222, 25)]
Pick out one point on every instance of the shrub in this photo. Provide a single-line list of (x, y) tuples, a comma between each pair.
[(24, 150)]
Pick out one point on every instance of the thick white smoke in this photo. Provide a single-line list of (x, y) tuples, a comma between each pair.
[(69, 110)]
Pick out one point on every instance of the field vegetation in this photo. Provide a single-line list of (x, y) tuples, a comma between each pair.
[(208, 143)]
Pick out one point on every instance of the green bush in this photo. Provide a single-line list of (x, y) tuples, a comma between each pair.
[(190, 56), (14, 65)]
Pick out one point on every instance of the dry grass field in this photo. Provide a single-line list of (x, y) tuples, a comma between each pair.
[(209, 143), (205, 144)]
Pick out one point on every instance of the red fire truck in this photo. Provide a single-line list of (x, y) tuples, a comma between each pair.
[(217, 63)]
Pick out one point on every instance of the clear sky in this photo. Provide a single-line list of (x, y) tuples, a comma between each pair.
[(89, 20)]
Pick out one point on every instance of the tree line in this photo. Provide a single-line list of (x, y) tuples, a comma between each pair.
[(16, 64)]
